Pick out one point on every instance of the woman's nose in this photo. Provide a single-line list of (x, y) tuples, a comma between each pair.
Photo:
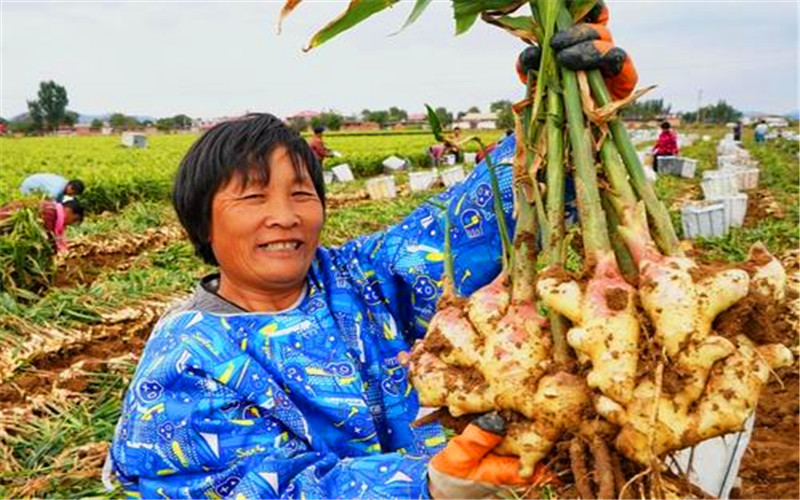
[(279, 211)]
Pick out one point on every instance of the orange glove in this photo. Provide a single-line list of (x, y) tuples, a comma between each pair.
[(467, 468), (588, 45)]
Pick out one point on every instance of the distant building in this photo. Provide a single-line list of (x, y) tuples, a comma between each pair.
[(480, 121), (83, 129), (355, 125)]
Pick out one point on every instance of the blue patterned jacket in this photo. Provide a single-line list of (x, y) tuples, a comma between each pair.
[(310, 402)]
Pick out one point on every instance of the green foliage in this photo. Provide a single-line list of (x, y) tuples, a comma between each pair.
[(26, 252), (646, 110), (505, 116), (328, 119), (718, 113), (96, 125), (49, 110)]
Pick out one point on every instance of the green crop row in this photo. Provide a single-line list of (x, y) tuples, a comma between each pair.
[(116, 176)]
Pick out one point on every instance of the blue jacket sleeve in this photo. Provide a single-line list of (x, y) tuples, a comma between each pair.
[(404, 264), (187, 432)]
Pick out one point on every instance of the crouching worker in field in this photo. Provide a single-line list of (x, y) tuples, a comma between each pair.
[(282, 375), (55, 217)]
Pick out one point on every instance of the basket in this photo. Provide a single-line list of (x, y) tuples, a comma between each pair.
[(719, 183), (453, 175), (382, 187), (703, 219), (735, 209), (422, 180)]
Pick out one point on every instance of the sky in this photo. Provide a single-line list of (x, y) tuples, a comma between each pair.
[(213, 59)]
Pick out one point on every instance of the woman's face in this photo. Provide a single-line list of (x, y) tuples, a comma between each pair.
[(265, 236)]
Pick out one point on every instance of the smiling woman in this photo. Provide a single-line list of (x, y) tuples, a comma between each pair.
[(282, 374)]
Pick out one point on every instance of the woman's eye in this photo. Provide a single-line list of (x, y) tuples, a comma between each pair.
[(302, 194), (253, 196)]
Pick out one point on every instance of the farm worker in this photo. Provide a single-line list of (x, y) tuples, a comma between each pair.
[(55, 218), (318, 145), (761, 131), (54, 186), (667, 143), (282, 375), (737, 131)]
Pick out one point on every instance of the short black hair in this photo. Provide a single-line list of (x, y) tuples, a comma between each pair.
[(665, 125), (230, 147), (77, 185), (319, 129), (76, 208)]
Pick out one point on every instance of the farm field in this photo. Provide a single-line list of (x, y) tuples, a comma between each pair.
[(67, 355)]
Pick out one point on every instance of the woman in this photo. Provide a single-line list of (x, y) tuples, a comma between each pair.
[(281, 375), (667, 143)]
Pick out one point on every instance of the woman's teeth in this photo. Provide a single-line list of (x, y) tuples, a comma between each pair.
[(281, 245)]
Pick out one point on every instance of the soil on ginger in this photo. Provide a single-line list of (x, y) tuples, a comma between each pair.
[(770, 465)]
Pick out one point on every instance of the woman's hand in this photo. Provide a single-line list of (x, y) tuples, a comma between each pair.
[(589, 45), (467, 468)]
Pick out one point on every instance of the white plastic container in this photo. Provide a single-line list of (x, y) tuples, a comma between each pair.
[(469, 158), (393, 163), (343, 173), (703, 219), (327, 176), (747, 178), (719, 183), (688, 167), (669, 165), (449, 159), (453, 175), (422, 180), (381, 187), (735, 209)]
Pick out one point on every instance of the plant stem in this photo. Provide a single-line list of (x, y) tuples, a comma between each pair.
[(664, 235), (523, 275), (593, 222), (498, 211), (625, 261), (555, 178), (449, 278)]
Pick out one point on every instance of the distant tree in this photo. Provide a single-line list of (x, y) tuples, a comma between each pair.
[(721, 112), (165, 124), (445, 117), (397, 114), (36, 121), (505, 116), (474, 109), (118, 121), (70, 118), (49, 110), (331, 120), (96, 124), (182, 122), (651, 109), (298, 124), (380, 117)]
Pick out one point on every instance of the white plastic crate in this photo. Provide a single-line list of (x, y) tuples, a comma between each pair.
[(670, 165), (469, 158), (453, 175), (688, 167), (327, 176), (343, 173), (422, 180), (735, 209), (393, 163), (703, 218), (747, 178), (381, 187), (719, 183)]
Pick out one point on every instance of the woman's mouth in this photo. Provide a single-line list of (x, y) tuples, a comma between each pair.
[(284, 246)]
